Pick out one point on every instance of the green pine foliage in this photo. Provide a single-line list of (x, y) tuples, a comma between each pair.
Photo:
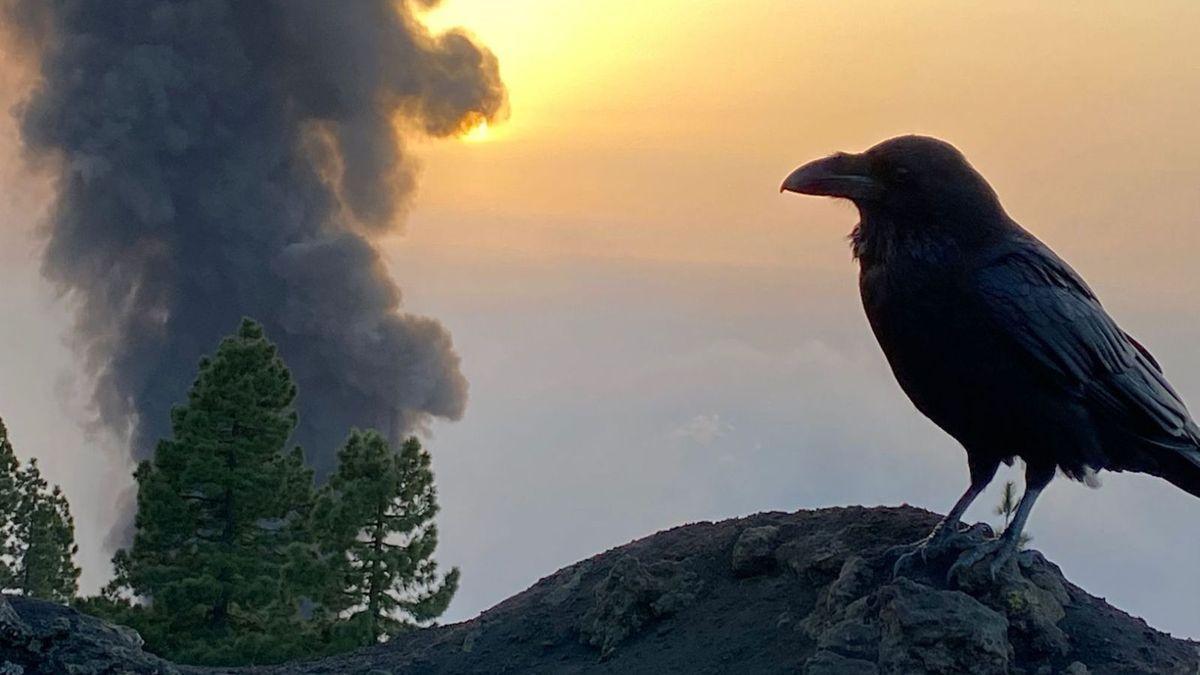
[(373, 524), (45, 562), (37, 557), (221, 508), (235, 560), (1008, 502), (9, 500), (1008, 507)]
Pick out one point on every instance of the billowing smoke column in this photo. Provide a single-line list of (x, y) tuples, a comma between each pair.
[(220, 158)]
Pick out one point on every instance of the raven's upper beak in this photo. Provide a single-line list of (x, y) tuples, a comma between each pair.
[(839, 175)]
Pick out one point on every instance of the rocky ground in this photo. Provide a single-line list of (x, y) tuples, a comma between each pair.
[(42, 637), (809, 592)]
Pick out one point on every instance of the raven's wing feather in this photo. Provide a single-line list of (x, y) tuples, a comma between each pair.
[(1048, 311)]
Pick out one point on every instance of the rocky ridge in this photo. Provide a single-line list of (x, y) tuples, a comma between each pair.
[(809, 592)]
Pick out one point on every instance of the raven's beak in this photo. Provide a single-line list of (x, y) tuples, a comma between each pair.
[(840, 175)]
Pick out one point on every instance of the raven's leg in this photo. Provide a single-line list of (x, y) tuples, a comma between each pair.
[(1003, 548), (982, 472)]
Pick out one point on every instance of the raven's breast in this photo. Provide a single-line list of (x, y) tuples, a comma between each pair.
[(956, 368)]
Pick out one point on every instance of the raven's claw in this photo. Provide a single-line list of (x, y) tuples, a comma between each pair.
[(1000, 550), (929, 547)]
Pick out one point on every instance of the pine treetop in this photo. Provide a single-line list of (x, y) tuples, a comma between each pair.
[(37, 532), (218, 506), (375, 520)]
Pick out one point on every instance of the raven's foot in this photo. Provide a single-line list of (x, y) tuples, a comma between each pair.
[(997, 552), (942, 539)]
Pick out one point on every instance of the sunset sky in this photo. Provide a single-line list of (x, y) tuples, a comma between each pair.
[(653, 335)]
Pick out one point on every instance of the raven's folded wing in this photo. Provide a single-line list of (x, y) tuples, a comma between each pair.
[(1048, 311)]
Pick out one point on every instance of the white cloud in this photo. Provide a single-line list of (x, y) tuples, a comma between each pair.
[(703, 429)]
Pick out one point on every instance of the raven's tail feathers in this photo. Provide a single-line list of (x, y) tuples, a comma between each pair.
[(1184, 473)]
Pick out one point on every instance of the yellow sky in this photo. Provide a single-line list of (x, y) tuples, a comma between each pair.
[(660, 131)]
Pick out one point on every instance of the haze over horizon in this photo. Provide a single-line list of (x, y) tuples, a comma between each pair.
[(652, 335)]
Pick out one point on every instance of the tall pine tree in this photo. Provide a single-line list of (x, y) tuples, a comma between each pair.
[(9, 500), (38, 553), (374, 522), (219, 506), (44, 562)]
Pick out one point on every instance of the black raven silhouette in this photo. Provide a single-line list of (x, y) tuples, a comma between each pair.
[(994, 337)]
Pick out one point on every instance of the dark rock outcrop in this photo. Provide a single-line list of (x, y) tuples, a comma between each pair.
[(809, 592), (39, 637)]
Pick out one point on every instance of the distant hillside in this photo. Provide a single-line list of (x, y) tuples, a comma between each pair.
[(808, 592)]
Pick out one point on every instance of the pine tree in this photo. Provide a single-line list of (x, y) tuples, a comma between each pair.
[(374, 522), (37, 557), (219, 507), (9, 500), (1008, 507), (45, 531), (1008, 502)]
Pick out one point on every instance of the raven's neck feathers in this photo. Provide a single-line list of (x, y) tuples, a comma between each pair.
[(875, 242), (880, 239)]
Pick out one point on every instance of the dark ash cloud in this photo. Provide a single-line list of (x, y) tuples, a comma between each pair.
[(215, 159)]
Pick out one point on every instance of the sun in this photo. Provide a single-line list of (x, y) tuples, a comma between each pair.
[(478, 133)]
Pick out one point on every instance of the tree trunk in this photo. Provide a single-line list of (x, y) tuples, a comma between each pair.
[(374, 582)]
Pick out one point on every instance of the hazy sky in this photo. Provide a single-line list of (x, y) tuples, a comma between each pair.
[(654, 335)]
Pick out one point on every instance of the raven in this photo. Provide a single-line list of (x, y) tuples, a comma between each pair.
[(994, 337)]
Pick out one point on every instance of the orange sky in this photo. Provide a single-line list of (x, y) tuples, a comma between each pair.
[(661, 130)]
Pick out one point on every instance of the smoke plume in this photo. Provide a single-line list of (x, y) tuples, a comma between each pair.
[(216, 159)]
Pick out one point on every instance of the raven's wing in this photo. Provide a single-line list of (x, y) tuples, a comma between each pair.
[(1050, 314)]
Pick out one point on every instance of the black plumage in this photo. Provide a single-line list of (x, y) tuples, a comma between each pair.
[(993, 336)]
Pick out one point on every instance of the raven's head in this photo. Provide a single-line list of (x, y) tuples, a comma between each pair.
[(906, 180)]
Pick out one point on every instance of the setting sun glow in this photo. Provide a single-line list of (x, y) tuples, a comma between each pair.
[(478, 133)]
